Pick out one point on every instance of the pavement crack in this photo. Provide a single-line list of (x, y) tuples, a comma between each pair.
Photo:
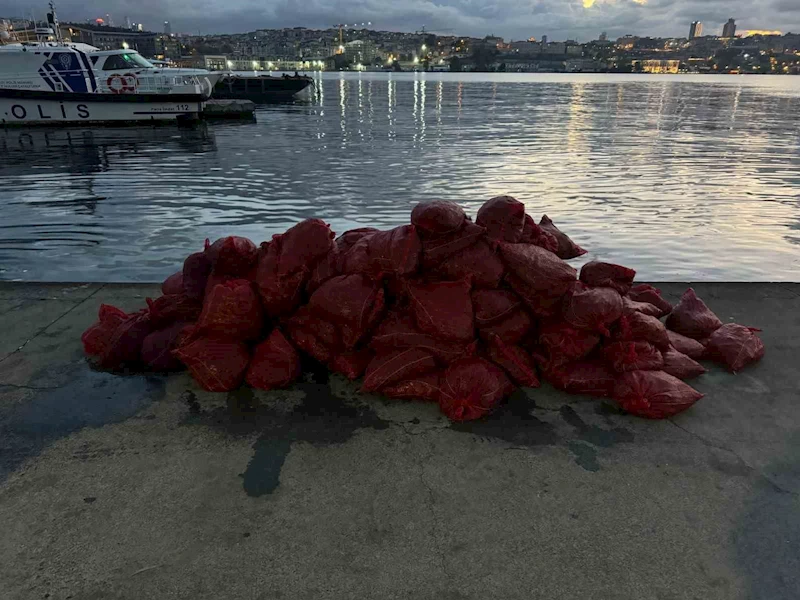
[(758, 472), (27, 387), (432, 508), (51, 323)]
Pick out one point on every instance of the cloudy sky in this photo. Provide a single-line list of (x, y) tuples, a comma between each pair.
[(513, 19)]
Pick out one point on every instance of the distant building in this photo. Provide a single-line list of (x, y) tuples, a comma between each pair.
[(695, 30), (359, 51), (525, 48), (657, 66), (210, 62), (729, 29), (603, 37), (544, 40), (109, 38), (128, 23), (167, 28)]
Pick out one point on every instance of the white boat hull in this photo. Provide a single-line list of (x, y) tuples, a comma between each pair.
[(25, 111)]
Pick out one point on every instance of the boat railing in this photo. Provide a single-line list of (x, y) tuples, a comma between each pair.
[(144, 83), (111, 83)]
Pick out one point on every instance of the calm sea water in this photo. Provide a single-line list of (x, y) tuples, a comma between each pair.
[(681, 178)]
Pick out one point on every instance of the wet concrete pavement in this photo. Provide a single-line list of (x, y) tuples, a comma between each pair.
[(148, 487)]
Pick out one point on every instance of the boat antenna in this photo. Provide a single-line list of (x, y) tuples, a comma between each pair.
[(52, 19)]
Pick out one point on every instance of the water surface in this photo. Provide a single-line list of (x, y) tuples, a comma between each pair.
[(679, 177)]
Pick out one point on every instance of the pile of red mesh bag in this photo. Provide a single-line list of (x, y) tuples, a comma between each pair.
[(444, 310)]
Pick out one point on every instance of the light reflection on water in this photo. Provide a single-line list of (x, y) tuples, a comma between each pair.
[(678, 177)]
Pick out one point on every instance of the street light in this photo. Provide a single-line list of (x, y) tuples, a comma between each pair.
[(424, 47)]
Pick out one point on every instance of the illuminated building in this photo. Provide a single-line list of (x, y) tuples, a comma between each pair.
[(695, 30)]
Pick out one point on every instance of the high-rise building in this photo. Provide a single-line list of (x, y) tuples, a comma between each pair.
[(167, 28), (544, 39), (729, 29), (695, 30), (604, 37), (128, 23)]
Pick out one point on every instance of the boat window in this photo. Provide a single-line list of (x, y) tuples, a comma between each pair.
[(115, 62), (118, 62)]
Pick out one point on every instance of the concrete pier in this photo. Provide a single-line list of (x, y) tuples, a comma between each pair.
[(228, 109), (139, 487)]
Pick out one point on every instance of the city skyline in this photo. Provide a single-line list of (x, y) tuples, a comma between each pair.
[(581, 20)]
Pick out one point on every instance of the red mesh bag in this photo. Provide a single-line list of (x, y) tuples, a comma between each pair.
[(647, 293), (443, 309), (398, 330), (692, 318), (653, 394), (280, 296), (354, 302), (96, 338), (427, 386), (538, 236), (168, 309), (196, 269), (275, 363), (492, 306), (472, 388), (591, 308), (393, 252), (503, 217), (351, 364), (512, 329), (437, 218), (157, 348), (232, 255), (314, 335), (124, 347), (173, 284), (436, 250), (477, 262), (542, 303), (564, 343), (514, 360), (349, 238), (539, 270), (397, 366), (303, 245), (637, 326), (688, 346), (325, 268), (312, 345), (592, 378), (566, 247), (681, 366), (735, 346), (602, 274), (629, 306), (633, 356), (216, 365), (232, 312)]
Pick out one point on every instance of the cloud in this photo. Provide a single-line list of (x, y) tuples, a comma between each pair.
[(513, 19)]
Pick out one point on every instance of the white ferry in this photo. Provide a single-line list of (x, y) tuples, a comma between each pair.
[(55, 82)]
